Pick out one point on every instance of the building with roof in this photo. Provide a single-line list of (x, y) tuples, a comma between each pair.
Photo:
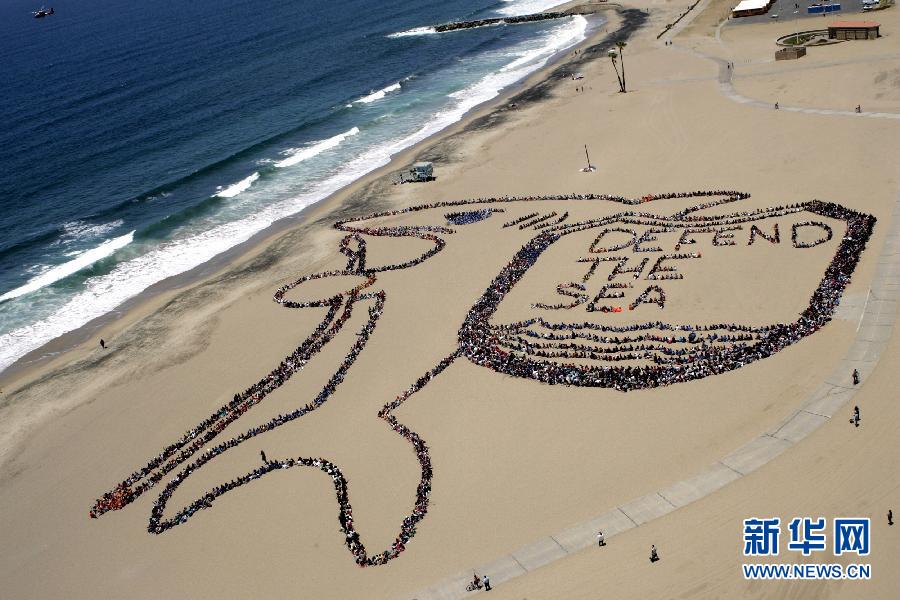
[(748, 8), (854, 30)]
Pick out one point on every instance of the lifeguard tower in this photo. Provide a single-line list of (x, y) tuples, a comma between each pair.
[(420, 171)]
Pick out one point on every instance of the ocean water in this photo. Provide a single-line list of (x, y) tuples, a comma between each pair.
[(140, 140)]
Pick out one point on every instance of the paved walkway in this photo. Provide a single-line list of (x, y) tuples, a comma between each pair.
[(726, 87), (877, 312)]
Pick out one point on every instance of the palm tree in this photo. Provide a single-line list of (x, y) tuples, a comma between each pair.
[(621, 46), (612, 56)]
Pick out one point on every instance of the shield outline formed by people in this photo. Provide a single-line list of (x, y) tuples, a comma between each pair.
[(479, 338)]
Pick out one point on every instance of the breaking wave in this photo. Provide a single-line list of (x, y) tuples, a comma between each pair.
[(154, 258), (298, 155), (81, 261), (236, 188), (378, 95)]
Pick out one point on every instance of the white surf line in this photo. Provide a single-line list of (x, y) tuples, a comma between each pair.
[(298, 155), (877, 325), (236, 188), (82, 261)]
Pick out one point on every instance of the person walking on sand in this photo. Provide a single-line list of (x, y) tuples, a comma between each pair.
[(890, 517), (601, 540), (487, 583), (855, 377), (262, 454), (654, 556), (776, 106), (855, 419), (102, 344)]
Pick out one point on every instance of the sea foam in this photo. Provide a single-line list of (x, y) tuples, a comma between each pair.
[(81, 261), (378, 95), (298, 155), (104, 293), (515, 8), (413, 32), (77, 231), (236, 188)]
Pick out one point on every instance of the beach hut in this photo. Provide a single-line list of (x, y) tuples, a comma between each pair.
[(749, 8), (854, 30)]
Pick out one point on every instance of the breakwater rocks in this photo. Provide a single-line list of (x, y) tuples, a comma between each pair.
[(500, 20)]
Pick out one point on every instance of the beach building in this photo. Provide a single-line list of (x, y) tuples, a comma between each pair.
[(792, 53), (422, 171), (854, 30), (748, 8)]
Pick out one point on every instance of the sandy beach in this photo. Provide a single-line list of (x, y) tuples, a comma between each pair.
[(512, 459)]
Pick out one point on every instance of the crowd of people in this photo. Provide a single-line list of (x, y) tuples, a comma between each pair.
[(583, 332), (192, 441), (555, 221), (657, 349), (159, 523), (545, 218), (195, 438), (470, 216), (521, 219), (480, 342), (798, 243), (571, 289), (658, 271), (353, 246), (595, 249), (483, 344)]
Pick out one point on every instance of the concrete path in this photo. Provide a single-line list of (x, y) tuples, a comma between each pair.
[(726, 86), (726, 74), (832, 398), (727, 89)]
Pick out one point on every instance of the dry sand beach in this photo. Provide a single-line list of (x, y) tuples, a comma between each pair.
[(514, 460)]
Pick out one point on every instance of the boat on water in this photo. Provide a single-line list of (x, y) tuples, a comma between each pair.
[(40, 14)]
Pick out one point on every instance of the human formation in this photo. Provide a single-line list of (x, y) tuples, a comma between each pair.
[(689, 351), (470, 216), (496, 347)]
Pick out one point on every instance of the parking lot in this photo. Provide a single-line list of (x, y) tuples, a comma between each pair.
[(787, 10)]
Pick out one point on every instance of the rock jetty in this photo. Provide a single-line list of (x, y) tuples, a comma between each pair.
[(500, 20)]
